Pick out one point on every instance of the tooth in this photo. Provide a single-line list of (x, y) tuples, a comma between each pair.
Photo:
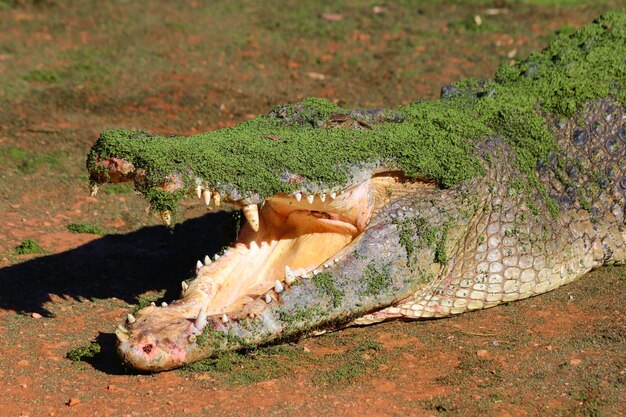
[(327, 264), (322, 197), (278, 286), (224, 318), (216, 257), (206, 196), (199, 191), (207, 260), (200, 320), (184, 285), (121, 329), (290, 277), (217, 198), (333, 195), (153, 304), (166, 216), (298, 196), (310, 198), (199, 265), (254, 247), (251, 211), (131, 319), (93, 189), (122, 335), (268, 298), (163, 304)]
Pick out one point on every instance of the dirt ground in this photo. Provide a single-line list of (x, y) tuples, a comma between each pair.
[(70, 69)]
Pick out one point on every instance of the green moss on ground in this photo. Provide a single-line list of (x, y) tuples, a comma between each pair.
[(29, 247), (85, 227), (435, 140), (80, 353)]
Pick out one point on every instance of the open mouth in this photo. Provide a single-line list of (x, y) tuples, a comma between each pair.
[(287, 238)]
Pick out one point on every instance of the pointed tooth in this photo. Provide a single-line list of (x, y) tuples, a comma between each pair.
[(278, 287), (122, 335), (310, 198), (251, 211), (153, 304), (163, 304), (201, 320), (166, 216), (206, 196), (322, 197), (199, 191), (121, 329), (268, 298), (333, 195), (199, 264), (216, 257), (224, 318), (207, 260), (184, 285), (217, 198), (290, 277), (130, 318), (298, 196), (93, 189), (254, 247)]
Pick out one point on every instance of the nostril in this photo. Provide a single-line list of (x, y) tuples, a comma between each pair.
[(148, 348)]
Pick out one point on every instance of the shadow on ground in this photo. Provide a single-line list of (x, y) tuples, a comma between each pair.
[(121, 266)]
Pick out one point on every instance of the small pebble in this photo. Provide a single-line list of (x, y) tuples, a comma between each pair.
[(72, 402), (575, 361), (482, 353), (36, 315)]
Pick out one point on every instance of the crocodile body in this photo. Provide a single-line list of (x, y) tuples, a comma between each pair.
[(494, 201)]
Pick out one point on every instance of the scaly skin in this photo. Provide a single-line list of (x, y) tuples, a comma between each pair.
[(427, 252)]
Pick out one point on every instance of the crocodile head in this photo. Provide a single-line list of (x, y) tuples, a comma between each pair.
[(318, 219)]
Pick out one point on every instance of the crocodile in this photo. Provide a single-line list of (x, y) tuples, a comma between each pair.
[(500, 190)]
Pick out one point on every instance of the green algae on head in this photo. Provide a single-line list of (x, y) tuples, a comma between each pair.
[(300, 148)]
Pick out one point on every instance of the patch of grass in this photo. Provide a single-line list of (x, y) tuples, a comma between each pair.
[(362, 359), (85, 227), (28, 162), (249, 367), (42, 76), (29, 247), (80, 353)]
